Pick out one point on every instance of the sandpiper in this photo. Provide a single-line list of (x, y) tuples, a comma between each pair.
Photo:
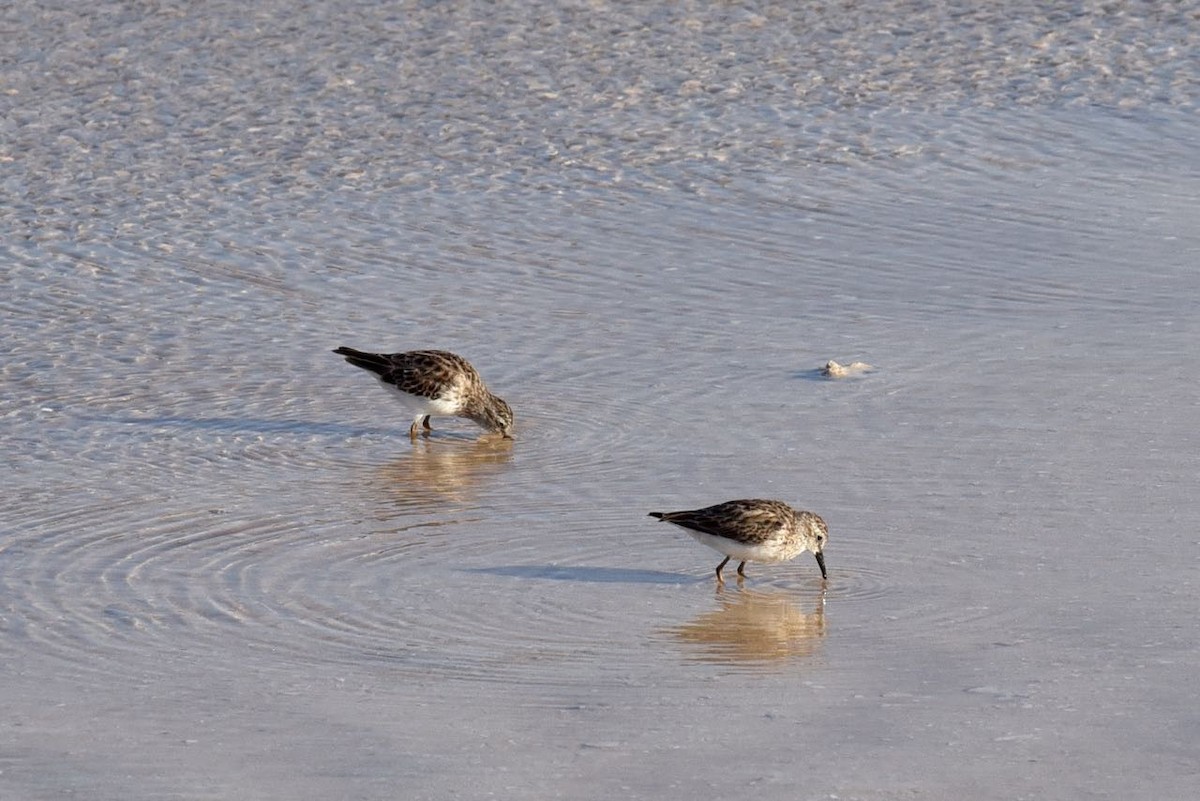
[(437, 382), (754, 531)]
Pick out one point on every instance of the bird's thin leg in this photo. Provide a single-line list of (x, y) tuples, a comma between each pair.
[(412, 430), (742, 570), (719, 579), (426, 424)]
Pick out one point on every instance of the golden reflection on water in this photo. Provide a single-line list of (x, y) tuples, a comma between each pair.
[(439, 471), (754, 627)]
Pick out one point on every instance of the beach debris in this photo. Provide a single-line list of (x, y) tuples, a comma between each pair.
[(834, 370)]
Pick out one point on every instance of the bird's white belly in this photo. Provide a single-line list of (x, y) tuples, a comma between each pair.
[(765, 552), (419, 407)]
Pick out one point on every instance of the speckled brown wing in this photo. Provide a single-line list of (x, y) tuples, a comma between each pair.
[(751, 521), (427, 373)]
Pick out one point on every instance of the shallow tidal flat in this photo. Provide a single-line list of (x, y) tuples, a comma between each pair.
[(226, 571)]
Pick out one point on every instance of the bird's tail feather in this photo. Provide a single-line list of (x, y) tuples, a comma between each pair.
[(367, 361)]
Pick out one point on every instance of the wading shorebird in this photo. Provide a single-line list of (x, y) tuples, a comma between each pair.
[(436, 382), (754, 531)]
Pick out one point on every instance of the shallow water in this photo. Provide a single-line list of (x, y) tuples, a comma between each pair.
[(226, 571)]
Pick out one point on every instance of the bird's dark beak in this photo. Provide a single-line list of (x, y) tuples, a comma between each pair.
[(821, 564)]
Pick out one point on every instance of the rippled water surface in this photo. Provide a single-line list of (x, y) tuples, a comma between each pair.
[(227, 572)]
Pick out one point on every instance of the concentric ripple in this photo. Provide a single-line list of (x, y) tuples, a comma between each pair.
[(101, 587)]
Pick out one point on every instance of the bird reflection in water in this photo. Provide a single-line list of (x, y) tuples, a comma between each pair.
[(754, 627), (441, 471)]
